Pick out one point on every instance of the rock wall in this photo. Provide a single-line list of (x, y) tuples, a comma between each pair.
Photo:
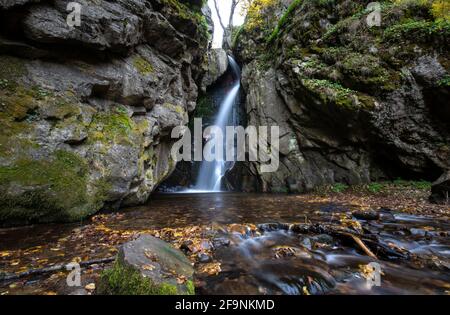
[(354, 103), (86, 112)]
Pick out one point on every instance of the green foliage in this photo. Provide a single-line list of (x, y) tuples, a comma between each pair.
[(205, 107), (363, 69), (334, 93), (375, 187), (122, 280), (421, 30), (339, 188), (441, 9), (444, 81), (421, 185), (255, 19)]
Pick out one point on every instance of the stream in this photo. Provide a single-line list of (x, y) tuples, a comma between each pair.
[(264, 244)]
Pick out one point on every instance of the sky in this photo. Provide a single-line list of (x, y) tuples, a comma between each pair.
[(224, 8)]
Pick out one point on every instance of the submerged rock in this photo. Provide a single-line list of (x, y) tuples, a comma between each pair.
[(148, 266)]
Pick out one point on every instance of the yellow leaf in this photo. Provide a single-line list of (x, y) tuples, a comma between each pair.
[(305, 291), (148, 267), (90, 287), (5, 254)]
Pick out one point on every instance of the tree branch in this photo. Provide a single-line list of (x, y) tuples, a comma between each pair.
[(218, 15)]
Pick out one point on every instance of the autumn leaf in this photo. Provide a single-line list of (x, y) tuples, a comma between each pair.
[(90, 287), (5, 254), (211, 268), (181, 279)]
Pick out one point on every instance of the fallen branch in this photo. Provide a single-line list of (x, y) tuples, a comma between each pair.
[(363, 246), (40, 271)]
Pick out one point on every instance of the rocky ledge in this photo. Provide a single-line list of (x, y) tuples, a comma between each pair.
[(86, 112)]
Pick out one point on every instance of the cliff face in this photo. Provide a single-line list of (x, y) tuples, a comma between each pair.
[(86, 112), (354, 103)]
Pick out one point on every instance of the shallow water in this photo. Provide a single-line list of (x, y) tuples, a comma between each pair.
[(413, 251)]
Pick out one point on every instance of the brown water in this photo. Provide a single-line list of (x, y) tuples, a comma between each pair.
[(413, 252)]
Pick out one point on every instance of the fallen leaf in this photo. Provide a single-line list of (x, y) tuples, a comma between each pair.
[(90, 287), (148, 267)]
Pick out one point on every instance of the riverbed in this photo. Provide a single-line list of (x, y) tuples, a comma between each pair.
[(247, 244)]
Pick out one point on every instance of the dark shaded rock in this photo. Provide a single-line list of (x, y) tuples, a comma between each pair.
[(366, 215), (187, 246), (386, 215), (148, 265), (220, 242), (203, 258), (440, 190)]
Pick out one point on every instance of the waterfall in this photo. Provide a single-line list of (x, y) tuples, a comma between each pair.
[(211, 173)]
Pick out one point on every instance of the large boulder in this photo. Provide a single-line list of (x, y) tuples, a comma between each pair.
[(148, 266), (353, 103), (87, 111)]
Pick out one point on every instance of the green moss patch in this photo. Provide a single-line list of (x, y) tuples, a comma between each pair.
[(334, 93), (417, 30), (47, 187), (115, 126), (143, 66)]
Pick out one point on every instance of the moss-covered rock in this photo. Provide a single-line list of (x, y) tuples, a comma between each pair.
[(47, 188), (148, 266)]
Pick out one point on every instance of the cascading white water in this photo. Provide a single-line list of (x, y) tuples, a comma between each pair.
[(211, 173)]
